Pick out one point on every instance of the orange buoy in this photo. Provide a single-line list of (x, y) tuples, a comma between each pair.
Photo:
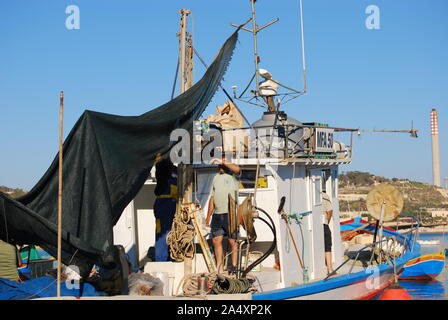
[(395, 292)]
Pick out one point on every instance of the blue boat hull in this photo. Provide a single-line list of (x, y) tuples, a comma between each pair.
[(425, 267), (354, 286)]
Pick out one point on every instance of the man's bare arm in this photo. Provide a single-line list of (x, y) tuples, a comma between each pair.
[(232, 167), (329, 215), (211, 208)]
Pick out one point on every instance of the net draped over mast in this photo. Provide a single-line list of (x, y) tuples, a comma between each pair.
[(107, 159)]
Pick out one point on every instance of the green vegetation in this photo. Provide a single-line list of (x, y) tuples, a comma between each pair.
[(357, 179), (15, 193), (418, 197)]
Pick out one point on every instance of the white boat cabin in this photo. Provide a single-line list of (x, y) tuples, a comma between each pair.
[(298, 172)]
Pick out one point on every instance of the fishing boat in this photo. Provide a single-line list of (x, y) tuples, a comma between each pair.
[(425, 267), (286, 166), (432, 242)]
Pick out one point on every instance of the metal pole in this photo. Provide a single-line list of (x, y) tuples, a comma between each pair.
[(61, 114), (303, 47), (381, 229), (255, 31)]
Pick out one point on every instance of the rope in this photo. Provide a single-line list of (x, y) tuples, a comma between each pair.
[(225, 285), (190, 284), (180, 238), (42, 290), (217, 284)]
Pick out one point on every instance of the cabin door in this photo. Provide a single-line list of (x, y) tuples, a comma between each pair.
[(125, 234), (315, 178)]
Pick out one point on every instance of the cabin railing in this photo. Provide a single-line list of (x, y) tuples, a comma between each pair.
[(408, 241), (411, 235), (356, 258), (307, 141)]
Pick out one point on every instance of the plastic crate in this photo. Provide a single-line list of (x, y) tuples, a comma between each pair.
[(39, 268)]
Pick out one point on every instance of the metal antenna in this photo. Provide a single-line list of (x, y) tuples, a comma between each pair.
[(303, 48), (288, 96), (412, 132), (254, 32)]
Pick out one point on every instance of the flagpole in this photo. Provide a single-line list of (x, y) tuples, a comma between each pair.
[(61, 113)]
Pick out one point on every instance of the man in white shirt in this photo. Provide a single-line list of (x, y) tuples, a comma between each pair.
[(327, 209)]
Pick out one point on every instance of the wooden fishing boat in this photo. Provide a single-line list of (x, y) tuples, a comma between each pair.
[(286, 167), (284, 183), (425, 267)]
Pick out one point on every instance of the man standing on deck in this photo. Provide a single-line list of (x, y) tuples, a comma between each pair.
[(327, 214), (164, 205), (224, 184)]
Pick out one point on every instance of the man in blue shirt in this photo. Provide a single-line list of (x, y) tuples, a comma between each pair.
[(165, 205)]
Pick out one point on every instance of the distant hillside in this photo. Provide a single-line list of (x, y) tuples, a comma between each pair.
[(15, 193), (419, 198)]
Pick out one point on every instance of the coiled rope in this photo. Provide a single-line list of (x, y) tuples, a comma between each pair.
[(180, 238), (190, 284), (225, 285), (217, 284)]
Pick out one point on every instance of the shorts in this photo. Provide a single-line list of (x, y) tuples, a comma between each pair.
[(220, 226), (327, 238)]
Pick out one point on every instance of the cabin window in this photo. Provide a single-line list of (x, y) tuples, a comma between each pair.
[(247, 179)]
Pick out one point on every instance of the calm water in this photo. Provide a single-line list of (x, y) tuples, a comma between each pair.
[(430, 290)]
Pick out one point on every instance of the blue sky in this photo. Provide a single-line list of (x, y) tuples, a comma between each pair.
[(122, 60)]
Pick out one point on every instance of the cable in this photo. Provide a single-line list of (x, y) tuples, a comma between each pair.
[(267, 253), (175, 80), (250, 82)]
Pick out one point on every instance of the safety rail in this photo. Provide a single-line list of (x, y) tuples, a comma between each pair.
[(412, 234), (307, 141), (356, 258), (409, 238)]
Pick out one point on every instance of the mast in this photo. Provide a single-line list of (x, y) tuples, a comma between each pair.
[(59, 270), (254, 31), (185, 52), (256, 58), (185, 171), (186, 81)]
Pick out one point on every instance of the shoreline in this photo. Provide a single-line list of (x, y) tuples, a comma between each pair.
[(437, 229), (432, 231)]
